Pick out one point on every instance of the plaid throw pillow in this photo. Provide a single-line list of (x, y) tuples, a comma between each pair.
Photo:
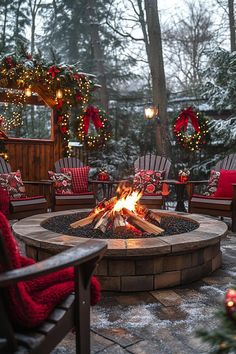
[(148, 180), (79, 178), (13, 184), (212, 183), (62, 182)]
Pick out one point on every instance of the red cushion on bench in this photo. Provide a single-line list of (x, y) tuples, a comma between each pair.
[(79, 178), (225, 188), (213, 197)]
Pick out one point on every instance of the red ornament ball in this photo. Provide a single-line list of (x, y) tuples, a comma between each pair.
[(103, 176), (230, 303)]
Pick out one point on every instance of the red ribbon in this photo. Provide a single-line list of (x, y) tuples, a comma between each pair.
[(53, 70), (92, 113), (182, 120), (10, 62)]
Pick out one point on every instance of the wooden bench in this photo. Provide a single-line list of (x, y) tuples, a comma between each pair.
[(73, 312), (23, 207), (155, 163), (224, 207), (75, 200)]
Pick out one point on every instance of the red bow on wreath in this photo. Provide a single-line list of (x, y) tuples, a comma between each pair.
[(92, 113), (182, 120), (10, 62), (53, 70)]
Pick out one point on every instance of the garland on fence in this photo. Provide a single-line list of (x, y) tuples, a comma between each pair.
[(100, 131), (199, 126), (61, 86)]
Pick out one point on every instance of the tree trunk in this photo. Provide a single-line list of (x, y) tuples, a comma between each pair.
[(17, 30), (156, 64), (32, 44), (99, 61), (232, 25), (3, 44), (98, 55), (74, 34), (34, 7)]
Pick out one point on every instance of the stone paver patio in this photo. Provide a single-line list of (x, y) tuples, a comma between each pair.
[(162, 321)]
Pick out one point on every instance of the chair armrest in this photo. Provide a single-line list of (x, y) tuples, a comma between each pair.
[(38, 182), (234, 193), (74, 256), (199, 182)]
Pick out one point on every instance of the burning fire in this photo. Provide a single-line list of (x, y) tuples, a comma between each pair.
[(128, 202), (127, 197), (122, 212)]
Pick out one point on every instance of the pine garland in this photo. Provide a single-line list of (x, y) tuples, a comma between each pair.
[(223, 338), (64, 86)]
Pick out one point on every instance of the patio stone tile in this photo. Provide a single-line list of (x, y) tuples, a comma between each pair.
[(67, 345), (189, 294), (165, 343), (121, 336), (197, 345), (99, 343), (134, 298), (171, 313), (217, 280), (167, 297), (114, 349), (161, 321), (145, 347)]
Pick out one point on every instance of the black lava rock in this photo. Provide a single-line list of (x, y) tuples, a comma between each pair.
[(172, 225)]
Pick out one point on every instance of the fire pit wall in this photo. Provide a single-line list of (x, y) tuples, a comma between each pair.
[(137, 264)]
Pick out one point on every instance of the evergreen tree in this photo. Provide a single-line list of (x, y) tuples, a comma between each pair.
[(222, 338), (13, 21), (220, 79)]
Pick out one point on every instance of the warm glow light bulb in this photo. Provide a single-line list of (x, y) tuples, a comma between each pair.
[(59, 93), (151, 112), (28, 92)]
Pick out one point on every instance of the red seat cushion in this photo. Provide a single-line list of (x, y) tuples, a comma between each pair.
[(79, 178), (213, 197), (28, 198), (225, 188), (4, 201)]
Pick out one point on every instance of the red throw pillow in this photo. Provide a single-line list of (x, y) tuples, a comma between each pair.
[(13, 184), (212, 183), (62, 182), (79, 178), (148, 181), (225, 188)]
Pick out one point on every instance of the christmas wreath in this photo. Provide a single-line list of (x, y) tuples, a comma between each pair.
[(100, 132), (191, 136)]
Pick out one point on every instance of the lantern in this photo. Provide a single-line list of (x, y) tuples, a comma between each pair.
[(151, 112)]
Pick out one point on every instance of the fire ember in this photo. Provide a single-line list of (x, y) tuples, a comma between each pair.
[(121, 213)]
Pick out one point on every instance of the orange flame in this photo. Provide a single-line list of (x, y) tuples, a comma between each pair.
[(128, 202)]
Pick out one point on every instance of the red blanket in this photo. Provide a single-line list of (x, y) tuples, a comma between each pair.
[(31, 302), (4, 201)]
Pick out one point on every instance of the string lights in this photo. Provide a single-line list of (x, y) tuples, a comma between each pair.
[(93, 136), (62, 87), (199, 135)]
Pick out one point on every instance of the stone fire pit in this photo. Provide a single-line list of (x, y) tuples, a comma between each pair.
[(142, 264)]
